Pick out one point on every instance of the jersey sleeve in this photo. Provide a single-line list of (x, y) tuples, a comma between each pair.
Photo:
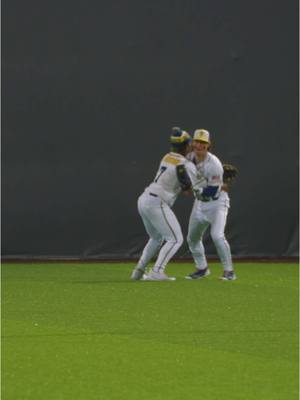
[(215, 173), (197, 181)]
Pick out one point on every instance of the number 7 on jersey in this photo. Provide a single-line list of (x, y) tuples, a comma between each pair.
[(160, 172)]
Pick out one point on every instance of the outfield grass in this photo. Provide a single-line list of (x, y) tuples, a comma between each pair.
[(85, 331)]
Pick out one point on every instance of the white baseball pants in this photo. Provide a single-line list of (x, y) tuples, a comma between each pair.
[(161, 225), (213, 214)]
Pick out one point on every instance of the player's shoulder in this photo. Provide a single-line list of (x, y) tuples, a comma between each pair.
[(173, 158), (214, 160), (190, 156), (190, 166)]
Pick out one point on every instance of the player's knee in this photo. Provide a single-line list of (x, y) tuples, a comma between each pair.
[(158, 242), (217, 237), (191, 241), (177, 241), (180, 240)]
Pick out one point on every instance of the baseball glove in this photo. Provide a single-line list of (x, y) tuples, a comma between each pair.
[(230, 173)]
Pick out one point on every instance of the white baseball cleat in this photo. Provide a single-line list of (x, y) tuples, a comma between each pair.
[(137, 274), (158, 276)]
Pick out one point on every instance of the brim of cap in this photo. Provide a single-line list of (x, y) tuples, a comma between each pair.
[(202, 140)]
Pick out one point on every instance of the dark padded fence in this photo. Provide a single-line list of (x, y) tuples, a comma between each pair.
[(90, 91)]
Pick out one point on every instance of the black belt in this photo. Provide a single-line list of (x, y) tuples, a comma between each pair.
[(212, 198), (152, 194)]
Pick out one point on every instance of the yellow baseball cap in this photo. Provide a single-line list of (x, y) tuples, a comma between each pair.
[(201, 134)]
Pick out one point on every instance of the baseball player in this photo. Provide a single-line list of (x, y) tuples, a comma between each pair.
[(210, 209), (175, 174)]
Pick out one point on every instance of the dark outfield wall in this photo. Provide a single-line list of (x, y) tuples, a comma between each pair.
[(90, 91)]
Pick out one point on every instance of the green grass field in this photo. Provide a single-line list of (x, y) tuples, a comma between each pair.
[(85, 331)]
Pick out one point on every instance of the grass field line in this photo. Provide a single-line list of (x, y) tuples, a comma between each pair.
[(148, 332)]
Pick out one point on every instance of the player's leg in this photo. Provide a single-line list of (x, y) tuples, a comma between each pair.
[(197, 226), (218, 223), (168, 227), (155, 240)]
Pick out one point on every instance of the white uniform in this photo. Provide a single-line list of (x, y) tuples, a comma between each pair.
[(154, 206), (210, 211)]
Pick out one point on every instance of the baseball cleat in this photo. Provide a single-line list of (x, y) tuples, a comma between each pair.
[(228, 276), (158, 276), (137, 274), (200, 273)]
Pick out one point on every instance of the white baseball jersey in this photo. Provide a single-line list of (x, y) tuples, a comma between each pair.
[(166, 184), (154, 207), (210, 169), (212, 212)]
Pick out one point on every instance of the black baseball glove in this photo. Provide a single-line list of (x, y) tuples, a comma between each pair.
[(230, 173)]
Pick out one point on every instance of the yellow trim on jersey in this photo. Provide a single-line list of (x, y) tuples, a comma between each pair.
[(171, 160)]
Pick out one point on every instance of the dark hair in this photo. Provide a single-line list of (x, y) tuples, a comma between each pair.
[(179, 148)]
